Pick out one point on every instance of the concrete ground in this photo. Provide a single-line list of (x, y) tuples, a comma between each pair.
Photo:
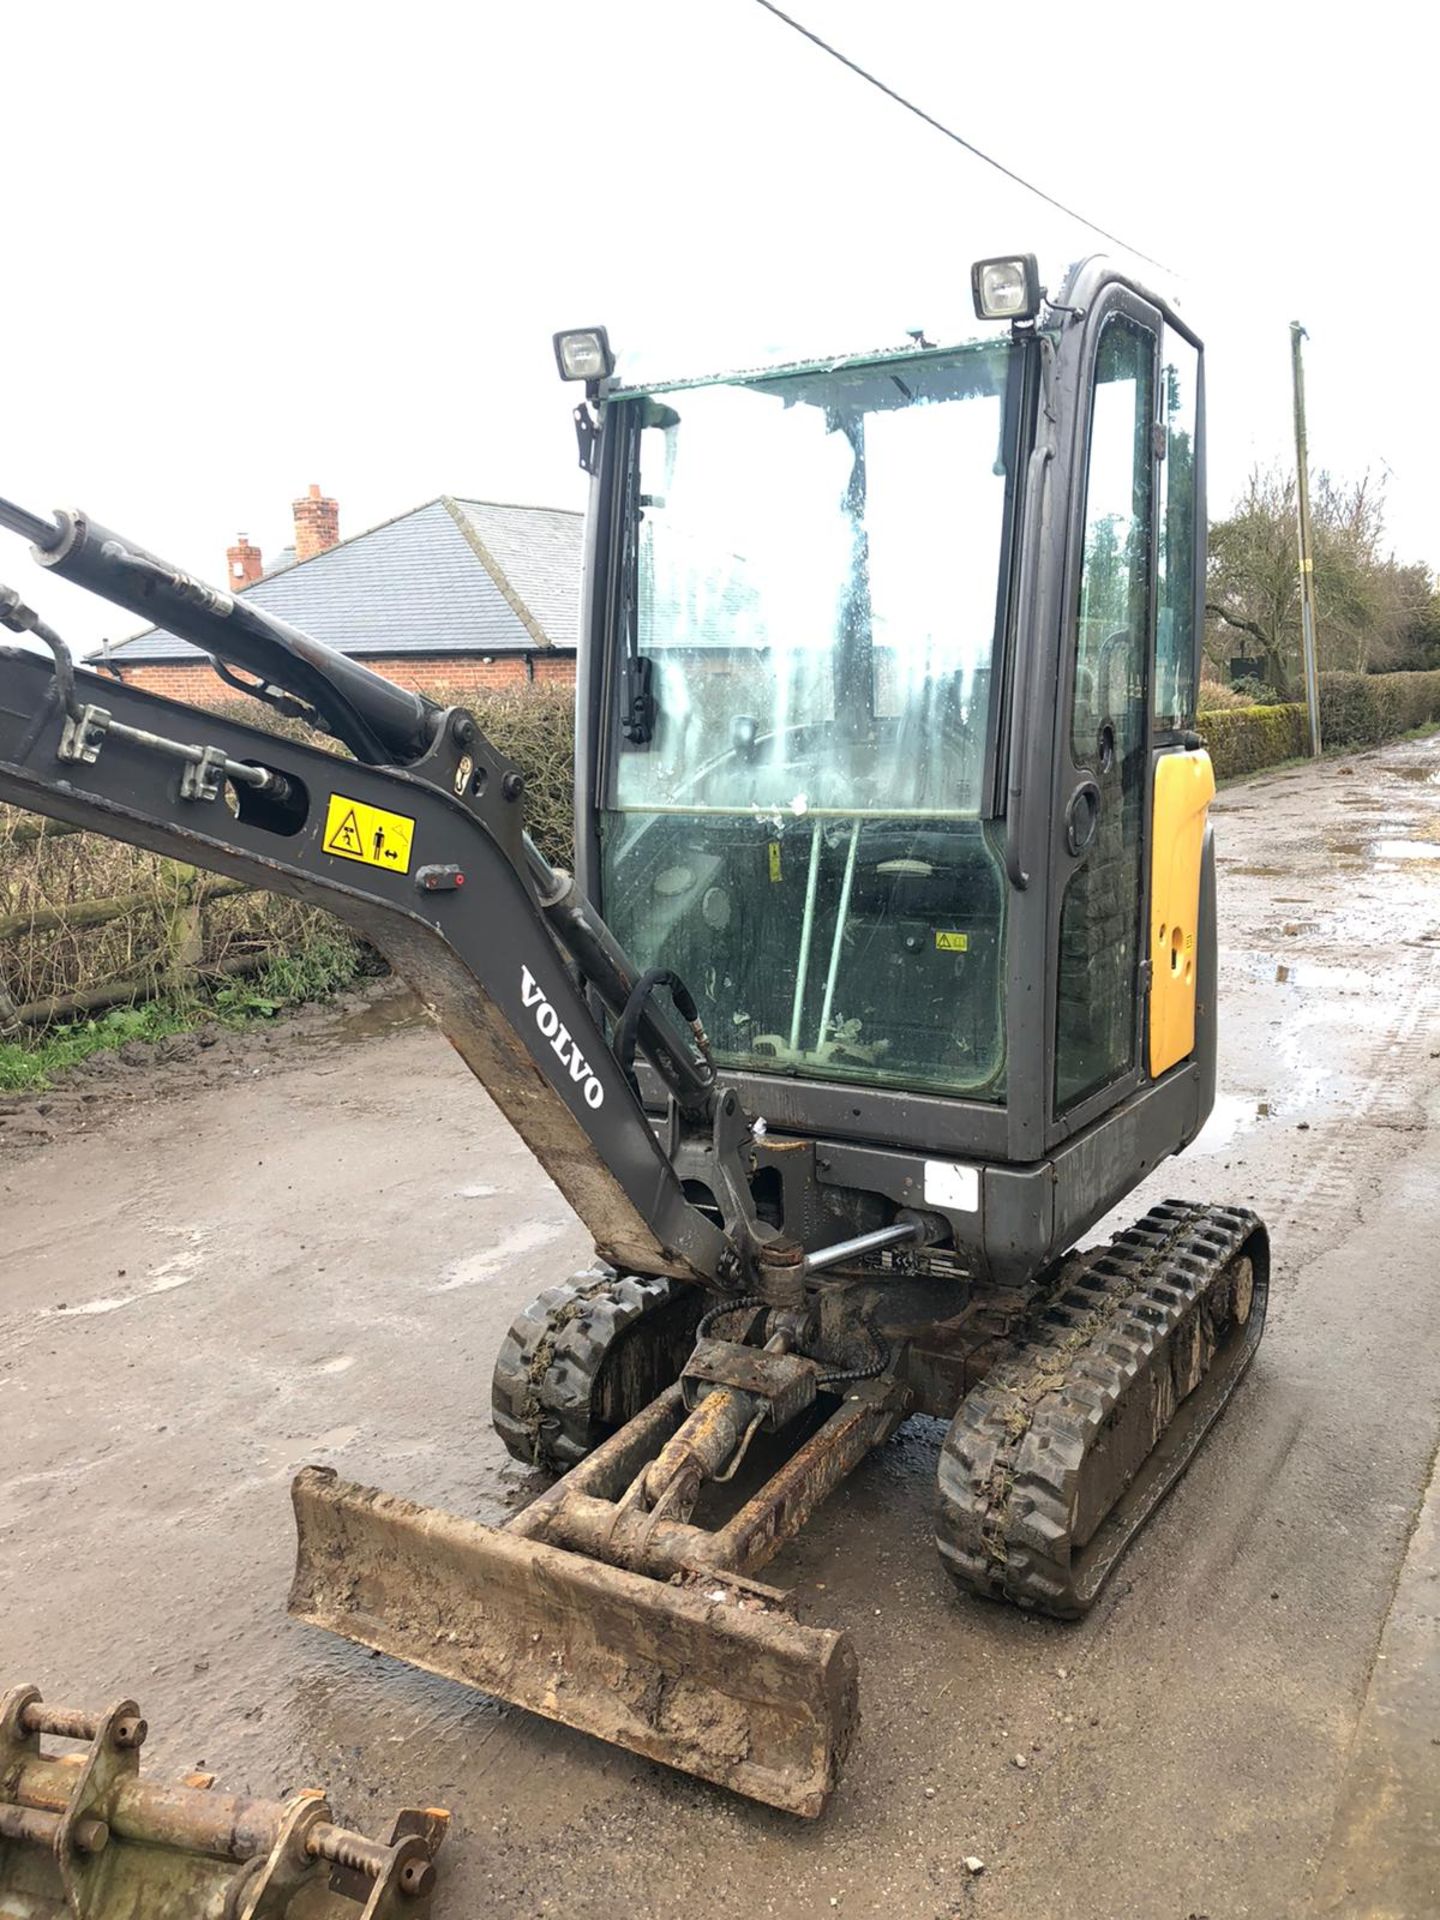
[(213, 1273)]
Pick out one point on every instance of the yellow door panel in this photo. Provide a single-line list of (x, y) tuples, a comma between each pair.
[(1184, 788)]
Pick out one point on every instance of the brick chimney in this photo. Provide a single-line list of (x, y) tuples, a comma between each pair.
[(243, 564), (317, 525)]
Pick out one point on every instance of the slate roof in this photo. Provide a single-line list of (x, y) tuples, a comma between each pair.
[(451, 577), (539, 551)]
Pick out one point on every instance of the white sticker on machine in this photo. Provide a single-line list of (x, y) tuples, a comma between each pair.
[(950, 1185)]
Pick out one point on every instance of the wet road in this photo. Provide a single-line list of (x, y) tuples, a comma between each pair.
[(316, 1260)]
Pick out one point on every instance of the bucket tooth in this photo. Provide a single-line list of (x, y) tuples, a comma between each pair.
[(705, 1673)]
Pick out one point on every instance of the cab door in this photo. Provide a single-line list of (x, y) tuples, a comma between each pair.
[(1102, 794)]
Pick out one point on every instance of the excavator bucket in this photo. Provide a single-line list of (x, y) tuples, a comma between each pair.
[(706, 1672), (84, 1837)]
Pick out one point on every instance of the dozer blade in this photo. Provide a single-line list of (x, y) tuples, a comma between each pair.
[(710, 1674)]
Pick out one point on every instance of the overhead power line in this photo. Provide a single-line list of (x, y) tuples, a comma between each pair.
[(959, 140)]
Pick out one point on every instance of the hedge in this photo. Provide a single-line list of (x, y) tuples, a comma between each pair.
[(1245, 739), (1356, 710), (1360, 709), (535, 726)]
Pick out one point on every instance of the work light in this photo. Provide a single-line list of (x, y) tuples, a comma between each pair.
[(584, 353), (1006, 289)]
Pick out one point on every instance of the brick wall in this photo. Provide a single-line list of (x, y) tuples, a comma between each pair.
[(451, 674), (201, 686), (198, 684)]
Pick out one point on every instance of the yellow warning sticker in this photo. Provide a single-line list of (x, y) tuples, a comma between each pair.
[(368, 834), (774, 863), (953, 942)]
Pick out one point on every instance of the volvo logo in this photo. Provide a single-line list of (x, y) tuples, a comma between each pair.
[(554, 1030)]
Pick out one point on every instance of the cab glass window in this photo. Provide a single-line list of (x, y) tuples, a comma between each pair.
[(1176, 548), (1100, 918)]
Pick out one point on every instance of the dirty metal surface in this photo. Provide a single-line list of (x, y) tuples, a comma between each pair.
[(707, 1675), (84, 1837), (784, 1381), (588, 1513)]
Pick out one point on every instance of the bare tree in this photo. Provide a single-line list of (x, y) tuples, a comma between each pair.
[(1251, 587), (1372, 612)]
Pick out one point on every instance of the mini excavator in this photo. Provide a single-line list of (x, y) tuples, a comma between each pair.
[(886, 971)]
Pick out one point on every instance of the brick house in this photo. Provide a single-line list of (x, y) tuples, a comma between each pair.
[(456, 594)]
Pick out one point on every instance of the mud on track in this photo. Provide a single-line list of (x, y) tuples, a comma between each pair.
[(212, 1274)]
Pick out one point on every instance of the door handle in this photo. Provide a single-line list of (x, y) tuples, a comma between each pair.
[(1082, 817), (1026, 697)]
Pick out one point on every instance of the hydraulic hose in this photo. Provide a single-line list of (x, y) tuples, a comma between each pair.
[(628, 1032)]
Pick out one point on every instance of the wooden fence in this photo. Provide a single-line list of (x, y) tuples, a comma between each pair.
[(182, 903)]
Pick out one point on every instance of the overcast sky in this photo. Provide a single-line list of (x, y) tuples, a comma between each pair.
[(251, 247)]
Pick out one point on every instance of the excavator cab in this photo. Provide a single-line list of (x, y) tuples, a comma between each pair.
[(886, 972), (889, 670)]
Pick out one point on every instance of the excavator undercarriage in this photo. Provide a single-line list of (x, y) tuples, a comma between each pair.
[(607, 1603)]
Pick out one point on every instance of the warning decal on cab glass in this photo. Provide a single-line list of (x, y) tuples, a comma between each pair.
[(370, 835)]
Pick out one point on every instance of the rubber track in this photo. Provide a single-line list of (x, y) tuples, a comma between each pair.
[(544, 1389), (1012, 1468)]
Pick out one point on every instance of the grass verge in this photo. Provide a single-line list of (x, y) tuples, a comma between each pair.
[(324, 969)]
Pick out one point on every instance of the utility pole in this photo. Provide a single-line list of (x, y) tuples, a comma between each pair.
[(1307, 550)]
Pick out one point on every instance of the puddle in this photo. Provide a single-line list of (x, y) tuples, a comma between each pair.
[(1261, 873), (1407, 849), (176, 1272), (1326, 968), (1232, 1115), (386, 1014), (1422, 776), (480, 1267)]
